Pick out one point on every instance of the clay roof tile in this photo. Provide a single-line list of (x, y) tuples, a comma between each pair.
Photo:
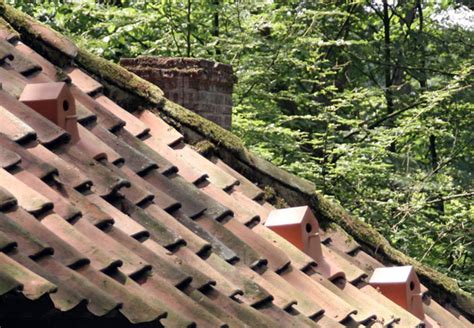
[(32, 285), (131, 222)]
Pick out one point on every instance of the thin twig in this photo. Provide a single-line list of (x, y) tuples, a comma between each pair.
[(450, 197)]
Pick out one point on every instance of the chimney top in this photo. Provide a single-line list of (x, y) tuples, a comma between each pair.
[(202, 86)]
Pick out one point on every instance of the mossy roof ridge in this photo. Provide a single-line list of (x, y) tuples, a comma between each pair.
[(13, 34), (119, 76), (36, 33), (59, 51), (24, 24)]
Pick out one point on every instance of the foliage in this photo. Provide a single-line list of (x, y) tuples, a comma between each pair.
[(381, 124)]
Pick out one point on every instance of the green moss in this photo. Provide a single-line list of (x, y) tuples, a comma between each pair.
[(119, 76), (61, 75), (271, 196), (205, 148), (12, 34), (281, 203), (216, 134)]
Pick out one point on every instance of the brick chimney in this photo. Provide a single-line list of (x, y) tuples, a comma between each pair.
[(200, 85)]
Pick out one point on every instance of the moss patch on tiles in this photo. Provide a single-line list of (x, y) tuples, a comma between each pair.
[(271, 196), (205, 148)]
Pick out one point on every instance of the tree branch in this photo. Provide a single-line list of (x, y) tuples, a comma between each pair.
[(380, 120), (188, 32), (450, 197)]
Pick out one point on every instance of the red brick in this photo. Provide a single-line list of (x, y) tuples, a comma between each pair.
[(200, 85)]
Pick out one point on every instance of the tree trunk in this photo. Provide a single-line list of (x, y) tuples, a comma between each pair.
[(188, 34), (423, 84), (215, 25), (387, 60)]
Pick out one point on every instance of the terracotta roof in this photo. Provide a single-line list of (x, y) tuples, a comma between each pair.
[(132, 225)]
